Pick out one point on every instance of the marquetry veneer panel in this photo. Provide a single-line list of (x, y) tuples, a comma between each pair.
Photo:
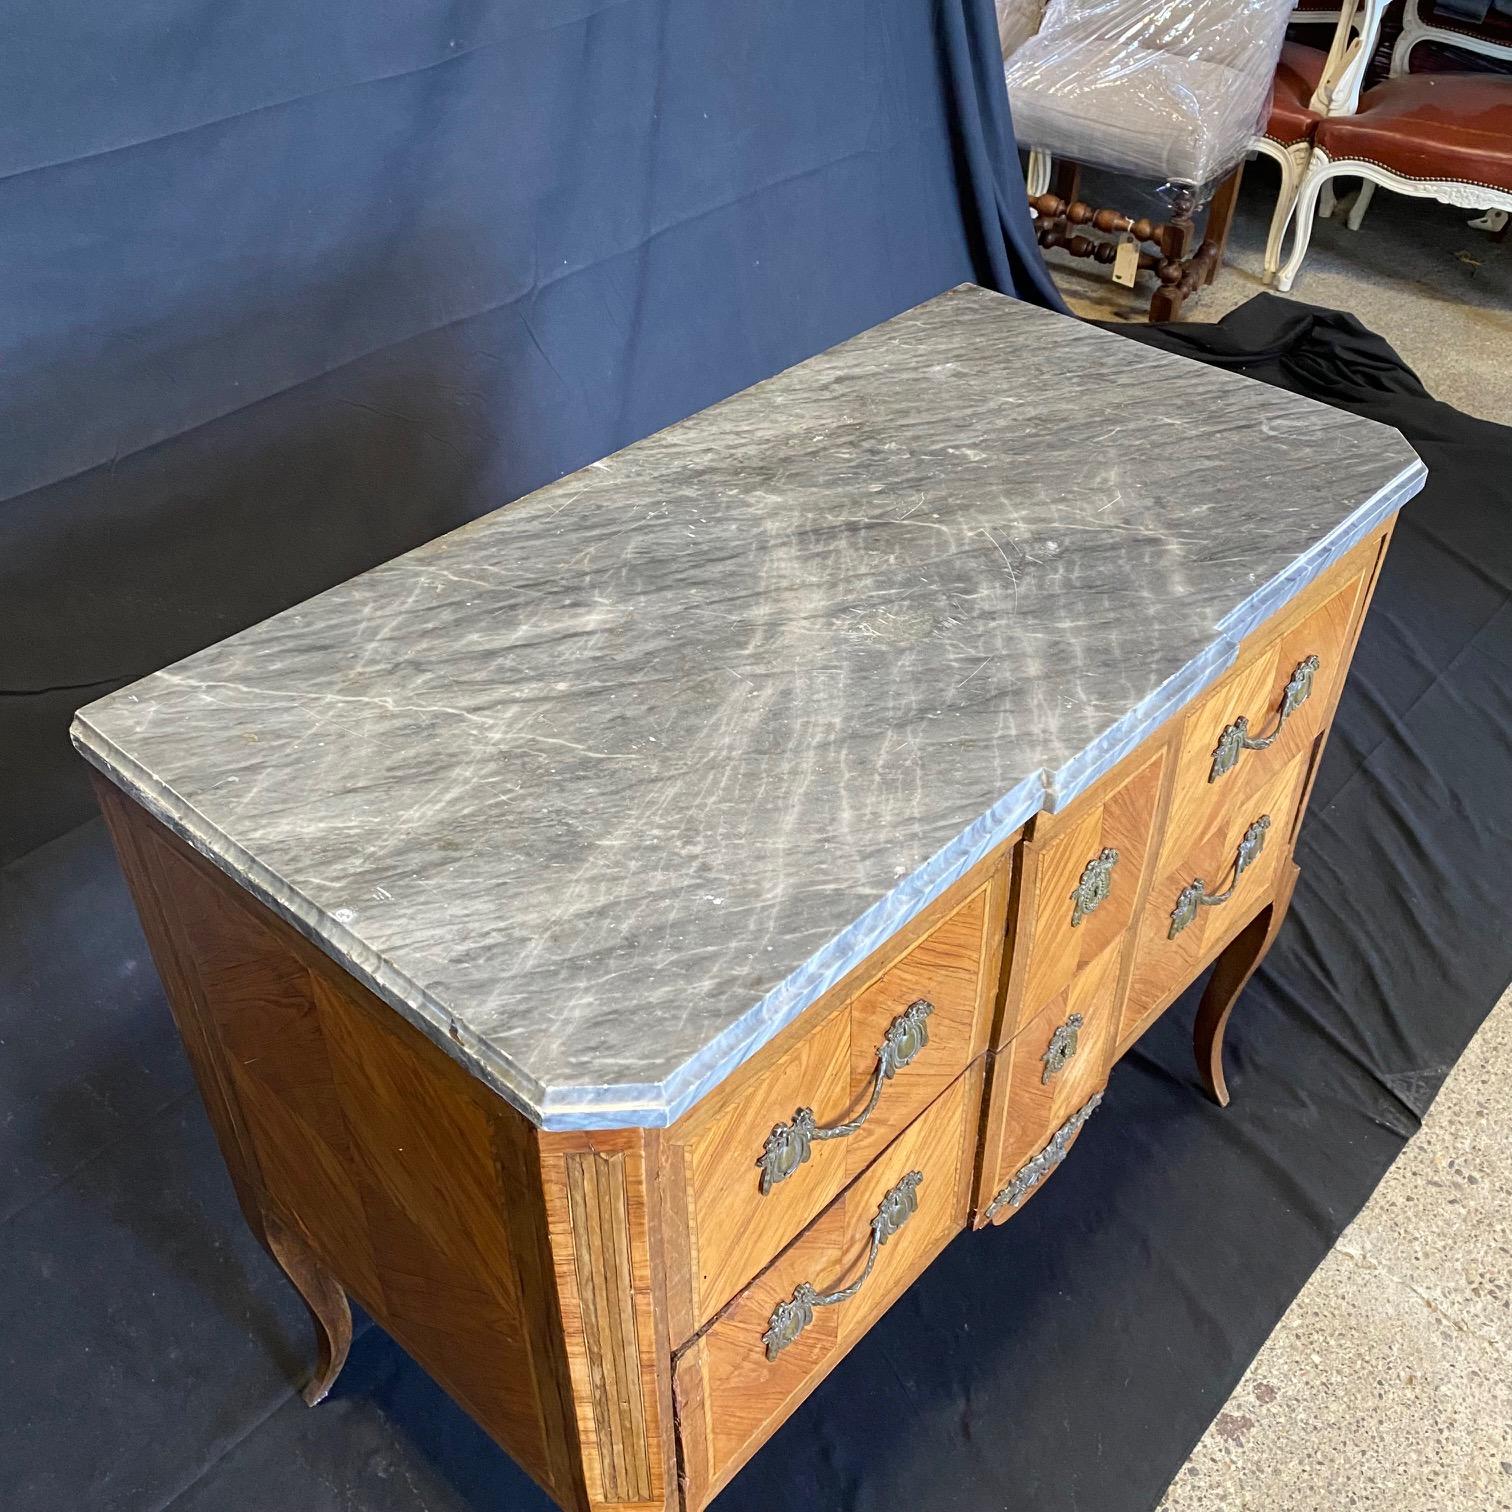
[(727, 1226), (606, 1303), (731, 1394)]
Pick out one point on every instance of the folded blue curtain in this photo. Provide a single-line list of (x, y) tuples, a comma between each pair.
[(286, 289)]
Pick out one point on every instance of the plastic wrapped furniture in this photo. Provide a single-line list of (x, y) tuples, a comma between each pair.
[(1018, 20), (1311, 84), (1174, 91), (1439, 136)]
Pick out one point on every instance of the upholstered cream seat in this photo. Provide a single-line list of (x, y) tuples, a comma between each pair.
[(1171, 91)]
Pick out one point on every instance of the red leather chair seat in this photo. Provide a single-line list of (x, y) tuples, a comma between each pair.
[(1297, 75), (1430, 126)]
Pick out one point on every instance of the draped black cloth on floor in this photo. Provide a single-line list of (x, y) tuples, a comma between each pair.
[(1063, 1363)]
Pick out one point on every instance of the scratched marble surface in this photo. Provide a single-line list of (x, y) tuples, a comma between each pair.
[(603, 789)]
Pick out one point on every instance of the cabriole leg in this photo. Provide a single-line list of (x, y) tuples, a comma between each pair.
[(1361, 204), (1240, 960), (142, 862), (1292, 165), (1318, 174), (327, 1303)]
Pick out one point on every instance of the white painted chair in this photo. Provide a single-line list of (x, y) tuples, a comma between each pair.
[(1309, 85), (1436, 136), (1493, 42)]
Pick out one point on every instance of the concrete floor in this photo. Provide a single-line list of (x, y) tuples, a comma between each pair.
[(1439, 292), (1387, 1386)]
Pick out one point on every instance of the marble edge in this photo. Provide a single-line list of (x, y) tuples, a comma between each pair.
[(657, 1104), (1095, 761), (1099, 758), (570, 1108), (1328, 549), (626, 1105), (329, 936)]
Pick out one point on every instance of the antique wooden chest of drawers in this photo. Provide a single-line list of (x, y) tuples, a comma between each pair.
[(622, 943)]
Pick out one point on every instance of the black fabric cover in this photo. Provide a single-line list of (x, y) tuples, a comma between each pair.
[(1065, 1362), (288, 288)]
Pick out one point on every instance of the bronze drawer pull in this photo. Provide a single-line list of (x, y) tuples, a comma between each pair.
[(1195, 894), (787, 1146), (1096, 883), (1236, 738), (1030, 1175), (1062, 1047), (790, 1318)]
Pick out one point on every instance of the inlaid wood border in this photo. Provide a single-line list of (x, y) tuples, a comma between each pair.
[(515, 1266), (994, 874), (600, 1215)]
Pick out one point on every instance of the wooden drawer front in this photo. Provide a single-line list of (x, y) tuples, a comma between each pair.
[(1164, 963), (736, 1382), (1066, 923), (1036, 1086), (1253, 691), (735, 1227)]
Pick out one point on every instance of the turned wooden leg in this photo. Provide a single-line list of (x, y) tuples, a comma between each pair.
[(1167, 300), (1238, 963), (327, 1302), (1065, 179), (1181, 229), (1221, 219), (1176, 238)]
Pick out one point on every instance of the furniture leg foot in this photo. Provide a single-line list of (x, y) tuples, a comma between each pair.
[(1166, 303), (326, 1301), (1037, 173), (1361, 204), (1307, 201), (1238, 963), (1221, 219)]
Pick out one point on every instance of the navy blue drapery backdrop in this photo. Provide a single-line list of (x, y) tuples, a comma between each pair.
[(287, 288)]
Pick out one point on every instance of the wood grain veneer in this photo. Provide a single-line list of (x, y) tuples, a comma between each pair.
[(730, 1396), (370, 1163), (597, 1300), (1053, 948), (730, 1228), (1024, 1109)]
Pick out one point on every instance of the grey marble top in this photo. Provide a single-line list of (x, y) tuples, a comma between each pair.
[(605, 788)]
